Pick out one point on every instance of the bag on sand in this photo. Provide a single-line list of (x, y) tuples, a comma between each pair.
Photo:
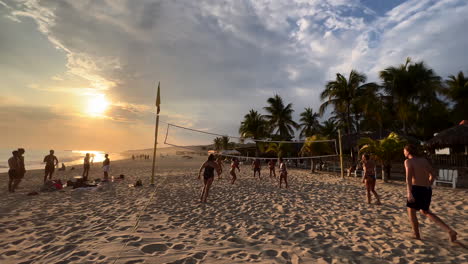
[(138, 183)]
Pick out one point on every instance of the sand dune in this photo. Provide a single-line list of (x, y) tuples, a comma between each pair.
[(319, 219)]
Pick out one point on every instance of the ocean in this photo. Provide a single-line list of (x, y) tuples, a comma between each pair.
[(34, 158)]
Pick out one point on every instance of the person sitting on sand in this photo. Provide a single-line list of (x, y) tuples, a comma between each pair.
[(419, 179), (256, 166), (283, 173), (51, 161), (219, 161), (86, 167), (63, 168), (368, 177), (271, 165), (106, 167), (13, 164), (234, 165), (209, 167)]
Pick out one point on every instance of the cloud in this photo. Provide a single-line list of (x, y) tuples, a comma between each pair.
[(218, 59)]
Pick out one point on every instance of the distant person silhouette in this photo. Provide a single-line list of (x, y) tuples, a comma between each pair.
[(13, 164), (21, 168), (51, 161), (106, 167), (86, 167)]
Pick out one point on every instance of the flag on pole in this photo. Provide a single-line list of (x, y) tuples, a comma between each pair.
[(158, 100)]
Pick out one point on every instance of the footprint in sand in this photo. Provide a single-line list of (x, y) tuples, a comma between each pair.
[(178, 246), (270, 253), (153, 248)]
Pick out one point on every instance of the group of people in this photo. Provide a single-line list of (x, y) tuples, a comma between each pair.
[(88, 160), (17, 169), (141, 156), (216, 164), (419, 178)]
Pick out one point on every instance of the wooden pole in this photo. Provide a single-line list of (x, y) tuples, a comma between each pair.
[(341, 153), (158, 102), (155, 147)]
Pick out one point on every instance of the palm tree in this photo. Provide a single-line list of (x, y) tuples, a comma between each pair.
[(280, 118), (313, 148), (278, 148), (412, 87), (457, 91), (309, 123), (341, 93), (225, 144), (329, 128), (253, 126), (385, 150), (218, 143)]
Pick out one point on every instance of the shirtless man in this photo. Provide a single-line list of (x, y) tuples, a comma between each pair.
[(256, 166), (419, 179), (105, 167), (271, 165), (51, 161), (86, 167)]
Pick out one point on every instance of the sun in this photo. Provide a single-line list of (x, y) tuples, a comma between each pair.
[(97, 105)]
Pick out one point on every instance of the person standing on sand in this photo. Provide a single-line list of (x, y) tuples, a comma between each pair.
[(13, 164), (271, 165), (219, 161), (209, 167), (86, 167), (21, 168), (256, 166), (106, 167), (419, 179), (234, 165), (51, 161), (283, 173), (369, 178)]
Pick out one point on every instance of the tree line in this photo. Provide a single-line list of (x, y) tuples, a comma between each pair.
[(410, 100)]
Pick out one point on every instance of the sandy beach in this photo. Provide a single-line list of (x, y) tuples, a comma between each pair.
[(319, 219)]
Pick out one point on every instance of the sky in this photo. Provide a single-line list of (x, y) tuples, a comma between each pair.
[(83, 74)]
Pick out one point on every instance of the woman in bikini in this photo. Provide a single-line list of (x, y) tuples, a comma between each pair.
[(209, 167), (234, 165), (219, 161), (369, 178), (283, 173)]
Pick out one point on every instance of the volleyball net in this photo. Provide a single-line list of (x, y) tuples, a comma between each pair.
[(204, 142)]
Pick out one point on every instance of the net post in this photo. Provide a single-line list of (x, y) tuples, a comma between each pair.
[(341, 153), (155, 147)]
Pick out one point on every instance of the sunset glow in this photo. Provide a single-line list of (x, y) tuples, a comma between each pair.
[(97, 105)]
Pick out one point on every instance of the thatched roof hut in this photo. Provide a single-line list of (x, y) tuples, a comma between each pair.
[(453, 137)]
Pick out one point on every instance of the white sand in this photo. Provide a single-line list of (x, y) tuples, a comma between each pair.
[(320, 219)]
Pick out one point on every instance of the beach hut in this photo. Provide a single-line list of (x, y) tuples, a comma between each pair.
[(232, 152), (455, 138)]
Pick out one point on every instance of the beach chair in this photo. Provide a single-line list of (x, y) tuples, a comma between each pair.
[(447, 176)]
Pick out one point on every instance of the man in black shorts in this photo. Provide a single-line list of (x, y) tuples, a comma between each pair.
[(13, 171), (419, 179), (51, 161)]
